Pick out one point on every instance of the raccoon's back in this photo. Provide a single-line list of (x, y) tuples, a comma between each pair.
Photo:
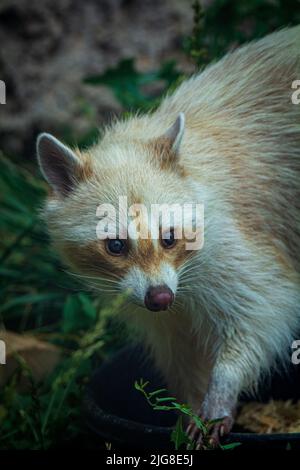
[(243, 136)]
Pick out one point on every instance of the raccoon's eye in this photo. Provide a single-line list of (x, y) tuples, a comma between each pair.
[(168, 239), (115, 247)]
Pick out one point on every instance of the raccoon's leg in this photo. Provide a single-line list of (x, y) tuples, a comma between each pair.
[(219, 403), (236, 368)]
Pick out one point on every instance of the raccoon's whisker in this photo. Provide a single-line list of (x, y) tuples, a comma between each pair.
[(97, 269), (108, 273), (190, 261), (187, 282), (187, 288), (189, 274), (189, 269), (101, 285), (101, 290), (96, 278)]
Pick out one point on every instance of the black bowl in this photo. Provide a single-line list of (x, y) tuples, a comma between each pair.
[(119, 414)]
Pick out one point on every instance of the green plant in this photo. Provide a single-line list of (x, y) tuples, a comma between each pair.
[(38, 296), (128, 84), (194, 44), (32, 280), (224, 24), (50, 412), (159, 401)]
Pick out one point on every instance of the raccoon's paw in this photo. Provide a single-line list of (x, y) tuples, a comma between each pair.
[(216, 429)]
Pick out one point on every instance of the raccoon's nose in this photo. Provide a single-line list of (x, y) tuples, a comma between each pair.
[(159, 298)]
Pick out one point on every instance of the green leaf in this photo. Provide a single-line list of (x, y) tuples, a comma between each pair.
[(164, 399), (157, 392), (230, 446), (200, 424), (71, 312), (79, 313), (183, 408), (178, 435), (162, 407), (140, 386), (88, 307)]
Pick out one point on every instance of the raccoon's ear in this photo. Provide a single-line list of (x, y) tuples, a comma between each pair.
[(59, 165), (175, 133)]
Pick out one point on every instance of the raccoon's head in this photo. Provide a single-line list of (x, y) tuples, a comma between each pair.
[(122, 214)]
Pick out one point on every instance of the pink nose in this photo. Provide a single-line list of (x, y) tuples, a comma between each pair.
[(159, 298)]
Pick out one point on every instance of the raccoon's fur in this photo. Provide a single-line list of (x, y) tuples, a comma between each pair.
[(235, 147)]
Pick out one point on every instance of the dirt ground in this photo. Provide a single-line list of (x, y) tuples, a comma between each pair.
[(49, 46)]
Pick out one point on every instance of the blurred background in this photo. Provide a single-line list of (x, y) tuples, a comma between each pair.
[(69, 68)]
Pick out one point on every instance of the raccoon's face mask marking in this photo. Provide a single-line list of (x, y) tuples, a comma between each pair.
[(147, 267), (153, 274)]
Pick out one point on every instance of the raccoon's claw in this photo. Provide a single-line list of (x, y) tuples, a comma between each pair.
[(219, 430), (211, 440)]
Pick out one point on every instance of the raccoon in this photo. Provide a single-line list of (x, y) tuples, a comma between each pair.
[(218, 318)]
